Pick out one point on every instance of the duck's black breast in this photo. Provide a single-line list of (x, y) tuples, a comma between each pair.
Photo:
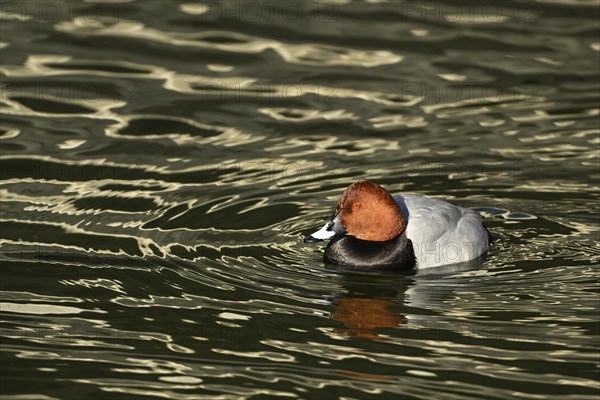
[(349, 252)]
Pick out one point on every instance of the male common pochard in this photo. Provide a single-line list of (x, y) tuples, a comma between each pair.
[(370, 229)]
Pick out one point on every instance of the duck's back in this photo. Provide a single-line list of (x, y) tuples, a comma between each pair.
[(441, 232)]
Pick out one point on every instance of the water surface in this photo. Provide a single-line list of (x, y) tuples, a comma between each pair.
[(162, 160)]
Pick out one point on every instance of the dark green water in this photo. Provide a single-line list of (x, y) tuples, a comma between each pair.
[(161, 161)]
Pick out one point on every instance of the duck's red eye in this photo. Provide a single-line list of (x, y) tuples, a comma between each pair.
[(355, 206)]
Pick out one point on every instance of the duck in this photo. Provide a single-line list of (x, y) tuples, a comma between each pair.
[(371, 229)]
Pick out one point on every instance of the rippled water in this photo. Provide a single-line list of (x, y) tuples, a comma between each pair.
[(162, 160)]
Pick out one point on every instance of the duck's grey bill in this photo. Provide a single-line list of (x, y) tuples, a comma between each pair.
[(322, 234)]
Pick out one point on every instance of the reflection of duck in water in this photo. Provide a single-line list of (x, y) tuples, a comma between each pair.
[(371, 229), (363, 317), (370, 304)]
